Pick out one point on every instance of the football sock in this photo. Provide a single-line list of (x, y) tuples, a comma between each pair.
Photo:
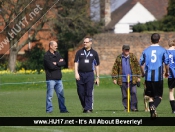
[(157, 101), (172, 103), (150, 104)]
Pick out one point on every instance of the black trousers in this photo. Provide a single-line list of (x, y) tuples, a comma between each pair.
[(85, 88)]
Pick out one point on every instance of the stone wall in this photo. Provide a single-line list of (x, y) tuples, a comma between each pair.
[(109, 45)]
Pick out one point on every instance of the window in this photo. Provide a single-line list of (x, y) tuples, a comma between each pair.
[(130, 28)]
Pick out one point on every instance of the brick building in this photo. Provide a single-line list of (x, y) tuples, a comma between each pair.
[(44, 36), (109, 45)]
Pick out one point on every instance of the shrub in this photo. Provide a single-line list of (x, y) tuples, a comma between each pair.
[(34, 58)]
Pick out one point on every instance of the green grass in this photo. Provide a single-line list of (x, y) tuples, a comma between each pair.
[(28, 100)]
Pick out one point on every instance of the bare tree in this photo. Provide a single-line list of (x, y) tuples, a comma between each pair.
[(70, 22), (19, 17)]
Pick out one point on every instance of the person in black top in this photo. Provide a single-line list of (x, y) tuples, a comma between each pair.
[(52, 65), (86, 63)]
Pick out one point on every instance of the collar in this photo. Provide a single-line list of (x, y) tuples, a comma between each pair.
[(155, 44), (171, 48), (87, 50), (51, 53), (123, 56)]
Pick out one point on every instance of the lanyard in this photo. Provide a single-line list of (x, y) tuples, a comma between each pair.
[(86, 54)]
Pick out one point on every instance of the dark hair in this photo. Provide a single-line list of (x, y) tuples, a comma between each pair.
[(155, 37)]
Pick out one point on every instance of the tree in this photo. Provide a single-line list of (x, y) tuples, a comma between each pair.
[(139, 27), (20, 16), (73, 24), (169, 19), (34, 57), (165, 24)]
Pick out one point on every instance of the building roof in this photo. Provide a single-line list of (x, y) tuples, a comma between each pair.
[(158, 8)]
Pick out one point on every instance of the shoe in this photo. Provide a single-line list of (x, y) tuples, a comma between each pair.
[(48, 111), (153, 111), (173, 112), (125, 110), (64, 111), (87, 111), (134, 110)]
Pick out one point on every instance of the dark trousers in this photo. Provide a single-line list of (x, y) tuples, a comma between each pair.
[(85, 89), (133, 95)]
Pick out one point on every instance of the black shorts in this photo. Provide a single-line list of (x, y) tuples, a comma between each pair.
[(171, 83), (154, 89)]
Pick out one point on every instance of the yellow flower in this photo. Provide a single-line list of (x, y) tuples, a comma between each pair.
[(67, 70), (23, 71)]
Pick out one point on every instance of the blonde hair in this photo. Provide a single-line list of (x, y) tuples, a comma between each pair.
[(171, 42)]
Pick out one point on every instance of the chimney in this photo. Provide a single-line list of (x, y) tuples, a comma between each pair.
[(105, 8)]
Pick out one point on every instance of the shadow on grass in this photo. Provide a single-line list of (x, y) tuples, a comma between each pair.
[(110, 110)]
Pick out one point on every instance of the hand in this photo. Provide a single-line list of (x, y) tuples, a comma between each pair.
[(138, 79), (60, 60), (166, 74), (77, 76), (143, 74), (54, 63), (115, 81), (97, 81), (138, 82)]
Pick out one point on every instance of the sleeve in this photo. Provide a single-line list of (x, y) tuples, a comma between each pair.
[(166, 58), (137, 65), (49, 64), (97, 60), (62, 63), (76, 59), (115, 69), (142, 59)]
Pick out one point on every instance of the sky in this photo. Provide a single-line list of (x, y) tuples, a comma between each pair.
[(95, 7), (116, 3)]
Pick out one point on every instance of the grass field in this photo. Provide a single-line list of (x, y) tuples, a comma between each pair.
[(28, 100)]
